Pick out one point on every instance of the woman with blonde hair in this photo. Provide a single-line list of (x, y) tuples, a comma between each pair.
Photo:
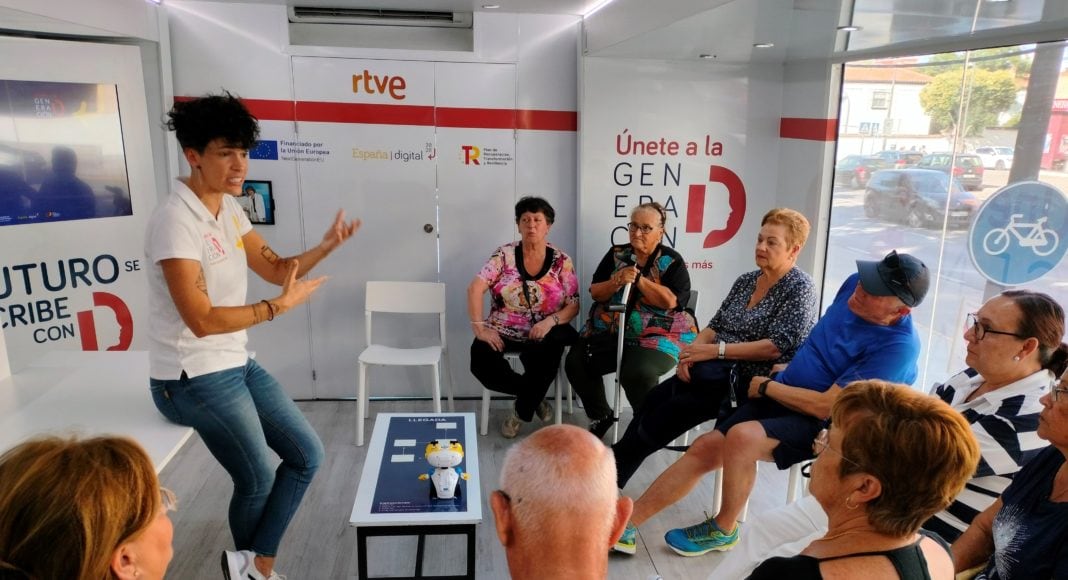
[(891, 459), (89, 509)]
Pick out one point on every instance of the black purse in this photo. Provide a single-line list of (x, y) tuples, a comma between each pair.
[(600, 352)]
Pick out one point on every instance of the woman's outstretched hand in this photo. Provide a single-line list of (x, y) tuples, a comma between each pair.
[(294, 290), (339, 232)]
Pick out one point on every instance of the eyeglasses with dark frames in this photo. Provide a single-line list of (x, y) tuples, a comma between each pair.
[(1055, 393), (635, 228), (980, 330)]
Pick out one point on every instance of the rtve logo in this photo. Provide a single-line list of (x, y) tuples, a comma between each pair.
[(471, 154), (373, 84)]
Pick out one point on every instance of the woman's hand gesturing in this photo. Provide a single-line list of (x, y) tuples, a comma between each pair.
[(294, 290)]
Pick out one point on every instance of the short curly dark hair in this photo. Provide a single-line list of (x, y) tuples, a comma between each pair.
[(200, 121), (531, 204)]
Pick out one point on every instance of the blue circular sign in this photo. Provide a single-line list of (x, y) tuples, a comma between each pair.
[(1020, 233)]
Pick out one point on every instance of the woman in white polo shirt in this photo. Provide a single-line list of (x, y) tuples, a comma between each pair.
[(201, 247)]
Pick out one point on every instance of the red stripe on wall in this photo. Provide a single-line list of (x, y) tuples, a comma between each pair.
[(476, 118), (808, 129), (535, 120), (364, 113), (455, 117)]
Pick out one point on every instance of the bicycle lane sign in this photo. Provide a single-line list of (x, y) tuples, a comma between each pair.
[(1020, 234)]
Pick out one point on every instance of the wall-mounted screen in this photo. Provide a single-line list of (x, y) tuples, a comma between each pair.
[(61, 153)]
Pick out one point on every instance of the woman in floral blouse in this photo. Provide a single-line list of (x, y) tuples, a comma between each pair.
[(535, 296)]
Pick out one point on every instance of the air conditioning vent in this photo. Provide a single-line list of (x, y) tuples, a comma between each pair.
[(379, 17)]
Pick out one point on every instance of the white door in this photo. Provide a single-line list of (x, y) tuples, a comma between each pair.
[(365, 144)]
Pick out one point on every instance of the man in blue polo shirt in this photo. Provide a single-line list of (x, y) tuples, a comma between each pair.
[(867, 333)]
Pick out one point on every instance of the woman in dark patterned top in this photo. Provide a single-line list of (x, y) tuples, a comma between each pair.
[(656, 325), (891, 459), (766, 316)]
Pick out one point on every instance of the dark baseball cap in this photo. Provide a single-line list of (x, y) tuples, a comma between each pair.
[(900, 275)]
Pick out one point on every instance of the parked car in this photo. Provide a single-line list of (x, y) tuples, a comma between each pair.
[(854, 170), (900, 159), (995, 157), (967, 167), (917, 197)]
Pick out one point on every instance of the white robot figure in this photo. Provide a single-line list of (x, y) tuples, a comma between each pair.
[(444, 455)]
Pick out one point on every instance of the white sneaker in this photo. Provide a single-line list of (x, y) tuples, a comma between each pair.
[(241, 565)]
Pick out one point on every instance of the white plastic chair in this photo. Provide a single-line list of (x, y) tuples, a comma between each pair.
[(795, 486), (403, 298), (558, 384)]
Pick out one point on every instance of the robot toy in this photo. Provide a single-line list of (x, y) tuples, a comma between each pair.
[(444, 455)]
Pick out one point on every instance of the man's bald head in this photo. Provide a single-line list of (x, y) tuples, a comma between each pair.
[(561, 474)]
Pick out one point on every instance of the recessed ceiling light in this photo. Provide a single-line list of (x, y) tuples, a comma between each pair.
[(850, 28), (491, 6), (764, 45), (709, 56)]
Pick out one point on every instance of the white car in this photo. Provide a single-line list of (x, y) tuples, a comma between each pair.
[(995, 157)]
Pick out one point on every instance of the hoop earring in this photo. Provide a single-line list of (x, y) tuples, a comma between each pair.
[(850, 506)]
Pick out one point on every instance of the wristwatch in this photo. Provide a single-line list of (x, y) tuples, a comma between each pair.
[(762, 390), (722, 350)]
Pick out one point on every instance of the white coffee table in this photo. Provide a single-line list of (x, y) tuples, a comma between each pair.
[(393, 501)]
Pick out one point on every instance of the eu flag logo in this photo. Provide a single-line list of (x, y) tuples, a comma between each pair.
[(264, 150)]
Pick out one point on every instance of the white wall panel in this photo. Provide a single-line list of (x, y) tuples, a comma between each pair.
[(244, 47), (691, 104), (383, 174), (476, 199), (222, 45), (106, 241)]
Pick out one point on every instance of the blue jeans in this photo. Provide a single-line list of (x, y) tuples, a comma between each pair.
[(241, 414)]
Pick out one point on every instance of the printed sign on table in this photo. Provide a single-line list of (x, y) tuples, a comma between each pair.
[(399, 488)]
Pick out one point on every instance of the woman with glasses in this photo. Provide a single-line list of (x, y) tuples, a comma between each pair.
[(89, 509), (534, 296), (1030, 519), (656, 325), (872, 478)]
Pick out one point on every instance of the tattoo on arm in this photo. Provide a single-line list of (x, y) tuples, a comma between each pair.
[(202, 283), (271, 257)]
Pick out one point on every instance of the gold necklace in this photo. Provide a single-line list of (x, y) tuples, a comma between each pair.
[(839, 535)]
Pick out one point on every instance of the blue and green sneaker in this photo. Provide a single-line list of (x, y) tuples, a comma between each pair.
[(628, 541), (700, 539)]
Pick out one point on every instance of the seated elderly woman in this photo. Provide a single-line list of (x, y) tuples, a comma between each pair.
[(534, 297), (763, 320), (656, 325), (89, 509), (891, 458), (1024, 534)]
